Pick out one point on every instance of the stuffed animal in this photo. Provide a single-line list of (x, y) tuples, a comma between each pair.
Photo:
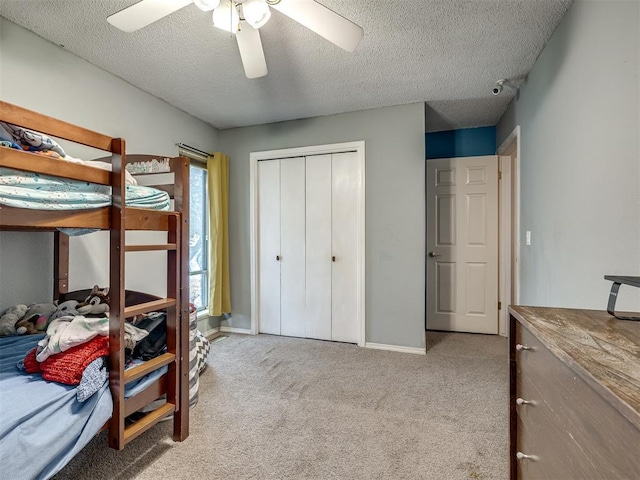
[(102, 292), (10, 317), (97, 303), (42, 313), (27, 325), (65, 309)]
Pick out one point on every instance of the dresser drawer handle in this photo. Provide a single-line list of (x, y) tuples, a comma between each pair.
[(522, 401), (522, 456), (520, 347)]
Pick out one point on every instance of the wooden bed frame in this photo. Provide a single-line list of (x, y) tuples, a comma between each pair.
[(117, 219)]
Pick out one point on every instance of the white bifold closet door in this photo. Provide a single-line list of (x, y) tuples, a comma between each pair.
[(281, 185), (292, 247), (344, 243), (332, 202), (319, 249), (269, 245), (308, 210)]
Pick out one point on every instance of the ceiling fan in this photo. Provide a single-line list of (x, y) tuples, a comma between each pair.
[(244, 18)]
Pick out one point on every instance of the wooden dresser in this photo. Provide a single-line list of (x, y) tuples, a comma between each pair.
[(574, 407)]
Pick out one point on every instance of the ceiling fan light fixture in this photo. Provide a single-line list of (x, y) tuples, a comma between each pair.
[(256, 12), (225, 17), (206, 5)]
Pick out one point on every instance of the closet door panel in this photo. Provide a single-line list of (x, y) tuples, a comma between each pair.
[(344, 213), (292, 247), (318, 241), (269, 245)]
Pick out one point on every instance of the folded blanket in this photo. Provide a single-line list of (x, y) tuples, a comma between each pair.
[(93, 378), (69, 366), (67, 332)]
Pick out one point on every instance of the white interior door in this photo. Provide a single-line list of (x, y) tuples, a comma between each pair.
[(269, 245), (344, 238), (462, 244), (292, 247), (318, 242)]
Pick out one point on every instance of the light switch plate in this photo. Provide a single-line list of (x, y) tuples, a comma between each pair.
[(528, 238)]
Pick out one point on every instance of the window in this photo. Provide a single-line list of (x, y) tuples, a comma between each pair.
[(198, 239)]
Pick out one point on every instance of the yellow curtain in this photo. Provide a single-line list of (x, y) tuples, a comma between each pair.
[(218, 178)]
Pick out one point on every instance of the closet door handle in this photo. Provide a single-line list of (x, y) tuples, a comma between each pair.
[(278, 258), (333, 259)]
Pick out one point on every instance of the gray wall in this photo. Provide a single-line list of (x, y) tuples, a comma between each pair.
[(395, 211), (580, 159), (41, 76)]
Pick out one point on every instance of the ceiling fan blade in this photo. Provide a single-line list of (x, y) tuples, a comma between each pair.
[(251, 52), (144, 13), (326, 23)]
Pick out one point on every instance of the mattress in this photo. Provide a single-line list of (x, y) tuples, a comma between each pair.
[(21, 189), (42, 424)]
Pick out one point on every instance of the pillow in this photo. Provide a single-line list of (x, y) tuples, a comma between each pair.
[(129, 180)]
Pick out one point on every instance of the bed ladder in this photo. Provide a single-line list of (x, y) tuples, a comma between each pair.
[(175, 383)]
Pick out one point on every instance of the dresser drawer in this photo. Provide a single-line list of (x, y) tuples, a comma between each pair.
[(540, 434), (572, 430), (557, 455)]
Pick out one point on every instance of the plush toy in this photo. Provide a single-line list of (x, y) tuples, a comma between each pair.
[(65, 309), (97, 303), (9, 319), (42, 313), (27, 325)]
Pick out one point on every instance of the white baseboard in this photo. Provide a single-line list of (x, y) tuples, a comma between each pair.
[(225, 329), (211, 332), (396, 348)]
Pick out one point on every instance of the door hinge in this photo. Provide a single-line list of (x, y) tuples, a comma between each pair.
[(499, 305), (499, 175)]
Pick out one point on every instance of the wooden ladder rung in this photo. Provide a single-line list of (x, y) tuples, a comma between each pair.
[(150, 248), (149, 366), (146, 219), (147, 307), (146, 396), (148, 421)]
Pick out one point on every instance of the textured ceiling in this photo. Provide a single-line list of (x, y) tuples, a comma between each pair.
[(447, 53)]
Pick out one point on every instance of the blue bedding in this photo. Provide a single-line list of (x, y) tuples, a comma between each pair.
[(42, 424)]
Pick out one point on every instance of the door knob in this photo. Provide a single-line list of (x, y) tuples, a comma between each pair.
[(278, 257), (333, 259), (434, 254)]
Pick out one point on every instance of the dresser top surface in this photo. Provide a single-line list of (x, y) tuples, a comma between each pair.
[(603, 350)]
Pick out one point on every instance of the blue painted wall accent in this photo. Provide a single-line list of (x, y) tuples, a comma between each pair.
[(466, 142)]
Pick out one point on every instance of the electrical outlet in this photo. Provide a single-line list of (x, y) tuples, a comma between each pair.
[(528, 238)]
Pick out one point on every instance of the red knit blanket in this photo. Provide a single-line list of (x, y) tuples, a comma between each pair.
[(67, 367)]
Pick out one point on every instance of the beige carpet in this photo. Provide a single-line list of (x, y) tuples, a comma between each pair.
[(285, 408)]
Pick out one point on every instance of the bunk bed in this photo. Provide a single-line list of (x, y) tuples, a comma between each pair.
[(166, 376)]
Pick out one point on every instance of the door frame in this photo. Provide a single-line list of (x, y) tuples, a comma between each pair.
[(254, 158), (509, 227)]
